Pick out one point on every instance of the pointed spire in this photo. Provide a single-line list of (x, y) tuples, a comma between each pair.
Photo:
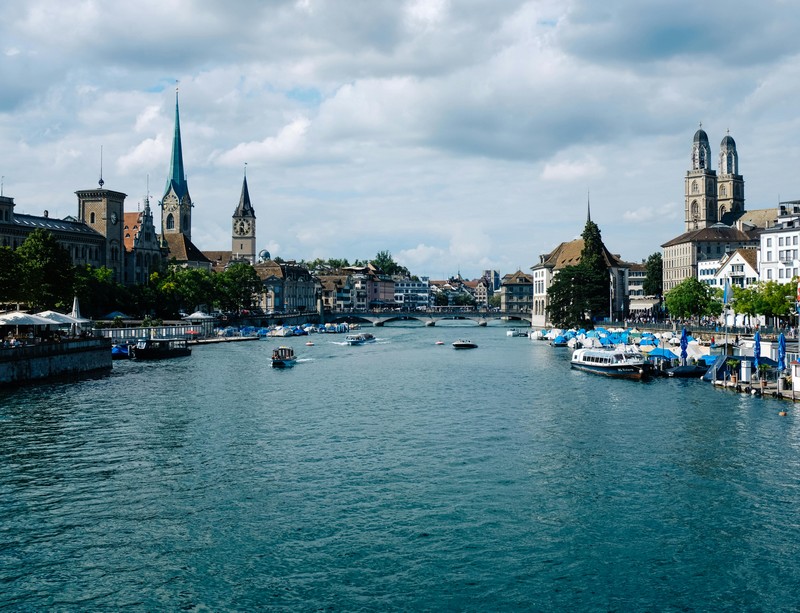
[(588, 208), (177, 176), (245, 209)]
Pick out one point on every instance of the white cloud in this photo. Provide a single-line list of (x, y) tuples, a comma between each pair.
[(288, 144), (571, 170)]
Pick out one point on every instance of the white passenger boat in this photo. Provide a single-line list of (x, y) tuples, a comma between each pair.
[(516, 332), (359, 339), (620, 362), (464, 344)]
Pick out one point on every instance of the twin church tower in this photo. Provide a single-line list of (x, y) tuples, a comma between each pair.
[(711, 197)]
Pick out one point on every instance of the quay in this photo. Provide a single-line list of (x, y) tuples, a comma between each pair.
[(46, 360)]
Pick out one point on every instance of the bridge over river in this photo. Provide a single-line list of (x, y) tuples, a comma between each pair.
[(429, 318)]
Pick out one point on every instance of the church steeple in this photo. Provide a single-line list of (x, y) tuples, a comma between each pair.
[(176, 214), (243, 239), (177, 176), (245, 209)]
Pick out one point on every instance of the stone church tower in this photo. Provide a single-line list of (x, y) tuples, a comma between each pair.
[(730, 184), (176, 205), (701, 186), (243, 244), (103, 210)]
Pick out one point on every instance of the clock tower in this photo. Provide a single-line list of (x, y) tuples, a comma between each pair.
[(176, 205), (103, 210), (701, 186), (243, 244)]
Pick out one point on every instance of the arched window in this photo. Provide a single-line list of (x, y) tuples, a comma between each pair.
[(170, 222), (695, 190), (91, 217)]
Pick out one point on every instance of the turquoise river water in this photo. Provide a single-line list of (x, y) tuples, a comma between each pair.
[(399, 475)]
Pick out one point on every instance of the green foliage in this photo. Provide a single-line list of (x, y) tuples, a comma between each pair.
[(9, 275), (384, 262), (494, 300), (689, 298), (236, 287), (654, 275), (46, 271), (777, 299), (593, 292), (463, 299), (568, 302), (441, 299)]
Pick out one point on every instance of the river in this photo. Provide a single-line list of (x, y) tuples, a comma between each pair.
[(398, 475)]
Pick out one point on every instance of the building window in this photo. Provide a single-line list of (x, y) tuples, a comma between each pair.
[(170, 222), (91, 217)]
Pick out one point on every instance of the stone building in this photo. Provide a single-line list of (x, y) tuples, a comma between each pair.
[(516, 293), (287, 287)]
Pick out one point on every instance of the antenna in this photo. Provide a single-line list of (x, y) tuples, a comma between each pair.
[(245, 170), (101, 167)]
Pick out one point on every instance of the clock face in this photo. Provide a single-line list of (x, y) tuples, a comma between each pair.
[(243, 226)]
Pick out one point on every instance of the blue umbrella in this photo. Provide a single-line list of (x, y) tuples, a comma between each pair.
[(781, 352), (756, 350), (684, 345)]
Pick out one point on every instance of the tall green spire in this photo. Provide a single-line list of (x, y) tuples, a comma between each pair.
[(177, 177)]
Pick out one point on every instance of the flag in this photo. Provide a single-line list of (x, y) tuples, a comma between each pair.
[(727, 293)]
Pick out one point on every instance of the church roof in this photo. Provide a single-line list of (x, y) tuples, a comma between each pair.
[(759, 218), (219, 259), (183, 250), (716, 233), (245, 209)]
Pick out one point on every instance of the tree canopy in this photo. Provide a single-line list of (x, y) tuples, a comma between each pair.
[(654, 275), (690, 298), (45, 271)]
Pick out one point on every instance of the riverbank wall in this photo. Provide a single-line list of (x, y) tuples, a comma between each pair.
[(42, 361)]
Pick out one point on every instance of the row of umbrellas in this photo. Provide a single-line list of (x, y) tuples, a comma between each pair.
[(44, 318)]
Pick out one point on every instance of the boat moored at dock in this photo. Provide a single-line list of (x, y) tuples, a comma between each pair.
[(619, 362), (160, 348)]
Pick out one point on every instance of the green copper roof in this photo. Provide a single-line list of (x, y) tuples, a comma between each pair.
[(177, 177)]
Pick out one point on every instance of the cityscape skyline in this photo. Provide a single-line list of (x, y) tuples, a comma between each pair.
[(458, 137)]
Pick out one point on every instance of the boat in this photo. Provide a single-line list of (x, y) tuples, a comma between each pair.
[(160, 348), (687, 371), (619, 362), (120, 351), (283, 357), (559, 341), (439, 343), (516, 332), (359, 339), (464, 344)]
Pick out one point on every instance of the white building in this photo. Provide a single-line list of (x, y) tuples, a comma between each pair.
[(780, 244)]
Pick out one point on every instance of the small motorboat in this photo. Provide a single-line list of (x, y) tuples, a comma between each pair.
[(440, 342), (121, 351), (687, 371), (464, 344), (283, 357)]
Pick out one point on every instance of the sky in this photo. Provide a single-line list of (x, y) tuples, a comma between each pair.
[(458, 135)]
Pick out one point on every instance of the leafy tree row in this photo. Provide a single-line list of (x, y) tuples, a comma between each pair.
[(40, 274), (690, 298)]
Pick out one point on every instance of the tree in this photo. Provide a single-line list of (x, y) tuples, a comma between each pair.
[(689, 298), (9, 275), (595, 288), (46, 271), (654, 275), (568, 305), (384, 262), (237, 286)]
